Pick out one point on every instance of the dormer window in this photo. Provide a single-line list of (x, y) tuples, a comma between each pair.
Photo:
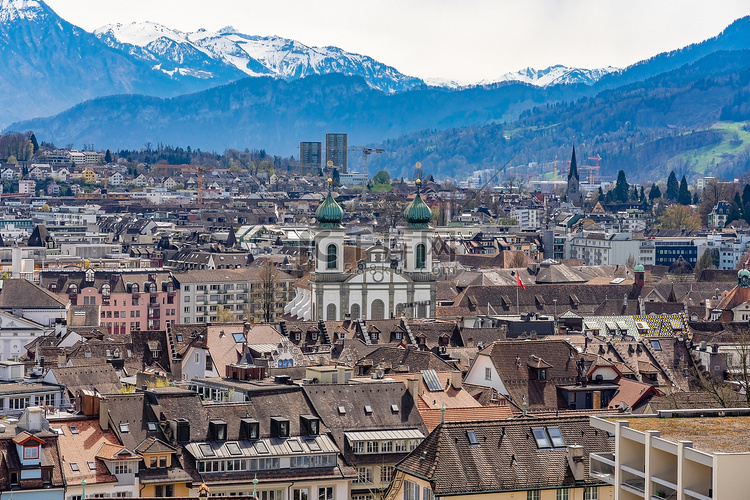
[(31, 452), (170, 287), (90, 276), (541, 374), (53, 287), (314, 335), (279, 427), (73, 289), (106, 289), (134, 288)]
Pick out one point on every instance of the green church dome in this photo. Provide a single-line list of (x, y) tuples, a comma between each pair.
[(418, 214), (639, 268), (329, 213), (743, 272)]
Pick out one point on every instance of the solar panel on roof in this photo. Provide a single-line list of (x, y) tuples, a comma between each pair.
[(432, 381)]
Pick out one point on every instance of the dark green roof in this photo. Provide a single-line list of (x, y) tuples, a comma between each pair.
[(329, 213), (418, 214)]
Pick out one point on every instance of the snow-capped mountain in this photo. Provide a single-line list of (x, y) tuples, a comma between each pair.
[(556, 75), (228, 53), (11, 10)]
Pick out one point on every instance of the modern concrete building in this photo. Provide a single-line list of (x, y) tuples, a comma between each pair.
[(337, 149), (680, 454)]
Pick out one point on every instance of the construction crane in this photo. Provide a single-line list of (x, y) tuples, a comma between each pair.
[(190, 168), (594, 168), (365, 153)]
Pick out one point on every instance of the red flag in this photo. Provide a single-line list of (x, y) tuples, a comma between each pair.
[(520, 283)]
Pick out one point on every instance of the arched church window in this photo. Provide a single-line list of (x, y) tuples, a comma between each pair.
[(331, 312), (332, 256), (355, 311), (377, 309), (421, 255)]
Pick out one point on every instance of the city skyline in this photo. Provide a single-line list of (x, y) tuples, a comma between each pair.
[(468, 42)]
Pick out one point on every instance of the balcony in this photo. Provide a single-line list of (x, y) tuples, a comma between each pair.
[(602, 466), (153, 313)]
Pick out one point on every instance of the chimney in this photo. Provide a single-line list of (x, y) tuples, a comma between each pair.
[(104, 413), (62, 358), (412, 385), (456, 380), (597, 400), (576, 461)]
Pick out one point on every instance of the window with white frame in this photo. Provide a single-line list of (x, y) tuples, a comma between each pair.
[(562, 494), (386, 473), (591, 493), (488, 373), (411, 491), (364, 475), (533, 495), (325, 493), (300, 494), (123, 467)]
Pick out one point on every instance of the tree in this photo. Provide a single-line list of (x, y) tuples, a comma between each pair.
[(673, 187), (630, 262), (223, 315), (268, 287), (734, 213), (34, 142), (654, 193), (679, 217), (108, 156), (382, 177), (683, 196), (746, 195), (705, 262), (622, 189), (517, 261), (335, 178)]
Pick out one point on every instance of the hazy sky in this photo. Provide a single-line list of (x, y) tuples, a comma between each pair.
[(463, 40)]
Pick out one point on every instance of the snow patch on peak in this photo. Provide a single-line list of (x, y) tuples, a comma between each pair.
[(11, 10), (227, 30), (140, 34), (555, 75)]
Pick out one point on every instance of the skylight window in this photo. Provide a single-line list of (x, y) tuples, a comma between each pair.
[(261, 447), (239, 338), (472, 438), (57, 430), (294, 445), (92, 465), (313, 445), (207, 450), (368, 409), (394, 408), (556, 437), (152, 426), (233, 449), (124, 427), (73, 430), (342, 410), (74, 467), (542, 441), (655, 345), (179, 337)]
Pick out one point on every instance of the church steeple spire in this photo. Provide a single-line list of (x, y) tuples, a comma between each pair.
[(573, 172)]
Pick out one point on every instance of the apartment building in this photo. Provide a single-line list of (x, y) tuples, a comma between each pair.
[(246, 293), (680, 454)]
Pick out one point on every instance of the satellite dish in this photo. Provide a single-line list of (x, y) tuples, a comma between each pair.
[(380, 373)]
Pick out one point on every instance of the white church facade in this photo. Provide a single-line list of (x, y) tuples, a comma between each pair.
[(380, 287)]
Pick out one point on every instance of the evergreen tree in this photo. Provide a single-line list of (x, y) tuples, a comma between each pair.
[(734, 213), (622, 189), (696, 200), (654, 193), (642, 196), (634, 193), (746, 195), (673, 187), (738, 201), (746, 212), (336, 178), (34, 142), (108, 156), (683, 196)]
